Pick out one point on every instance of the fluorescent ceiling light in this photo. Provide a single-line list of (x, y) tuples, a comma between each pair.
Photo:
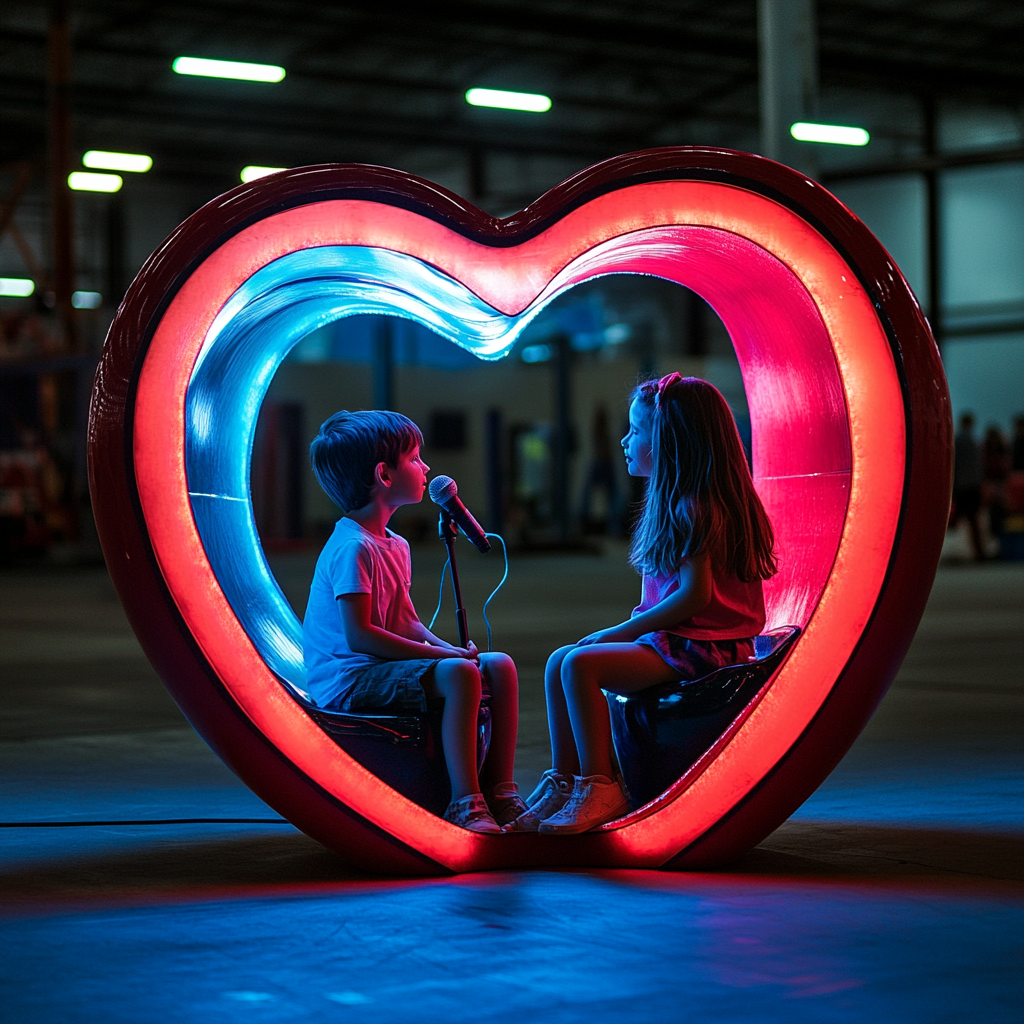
[(17, 287), (86, 181), (101, 160), (254, 171), (86, 300), (236, 69), (836, 134), (534, 102)]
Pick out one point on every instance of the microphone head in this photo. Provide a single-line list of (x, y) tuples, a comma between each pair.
[(441, 489)]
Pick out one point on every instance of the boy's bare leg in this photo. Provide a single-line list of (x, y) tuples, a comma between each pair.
[(458, 681), (564, 756), (500, 672), (621, 668)]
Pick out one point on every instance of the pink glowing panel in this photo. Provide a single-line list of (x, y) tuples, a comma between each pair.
[(802, 453)]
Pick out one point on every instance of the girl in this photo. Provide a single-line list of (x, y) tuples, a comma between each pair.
[(703, 544)]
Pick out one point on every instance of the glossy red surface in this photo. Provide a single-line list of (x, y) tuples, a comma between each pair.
[(836, 425)]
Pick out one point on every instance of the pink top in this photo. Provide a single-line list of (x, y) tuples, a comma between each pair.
[(735, 611)]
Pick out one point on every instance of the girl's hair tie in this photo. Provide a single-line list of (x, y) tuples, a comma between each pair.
[(666, 382)]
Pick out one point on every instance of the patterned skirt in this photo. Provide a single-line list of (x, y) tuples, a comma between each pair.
[(695, 658)]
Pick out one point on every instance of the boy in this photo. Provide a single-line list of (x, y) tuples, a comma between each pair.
[(364, 647)]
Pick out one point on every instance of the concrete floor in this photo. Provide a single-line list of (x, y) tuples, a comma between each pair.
[(896, 893)]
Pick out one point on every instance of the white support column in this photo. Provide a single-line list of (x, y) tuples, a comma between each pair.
[(788, 55)]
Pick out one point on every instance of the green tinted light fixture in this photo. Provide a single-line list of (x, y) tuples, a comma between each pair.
[(16, 287), (502, 99), (254, 171), (88, 181), (834, 134), (235, 69), (102, 160)]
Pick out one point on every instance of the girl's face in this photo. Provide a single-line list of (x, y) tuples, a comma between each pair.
[(637, 443)]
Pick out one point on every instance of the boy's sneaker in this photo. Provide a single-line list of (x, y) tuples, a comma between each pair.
[(595, 800), (471, 812), (551, 793), (505, 803)]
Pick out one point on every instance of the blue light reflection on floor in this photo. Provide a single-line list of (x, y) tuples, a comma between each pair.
[(634, 946), (981, 793), (902, 919)]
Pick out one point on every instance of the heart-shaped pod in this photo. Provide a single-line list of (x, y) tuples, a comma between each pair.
[(852, 441)]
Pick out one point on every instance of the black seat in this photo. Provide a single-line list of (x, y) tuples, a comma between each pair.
[(402, 748), (661, 732)]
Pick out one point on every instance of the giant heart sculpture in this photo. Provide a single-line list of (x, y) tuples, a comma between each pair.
[(851, 450)]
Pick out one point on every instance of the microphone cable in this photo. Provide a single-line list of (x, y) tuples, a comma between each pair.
[(501, 583), (487, 621), (440, 594)]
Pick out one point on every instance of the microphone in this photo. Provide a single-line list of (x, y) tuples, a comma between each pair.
[(444, 492)]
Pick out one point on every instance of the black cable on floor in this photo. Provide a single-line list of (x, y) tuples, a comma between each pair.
[(147, 821)]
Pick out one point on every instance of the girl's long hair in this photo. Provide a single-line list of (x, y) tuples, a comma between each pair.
[(700, 496)]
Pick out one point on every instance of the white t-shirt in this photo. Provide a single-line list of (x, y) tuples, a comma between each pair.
[(353, 561)]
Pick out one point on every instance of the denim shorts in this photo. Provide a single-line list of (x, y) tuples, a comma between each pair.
[(695, 658), (389, 687)]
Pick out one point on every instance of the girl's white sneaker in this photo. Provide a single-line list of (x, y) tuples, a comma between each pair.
[(551, 793), (595, 800)]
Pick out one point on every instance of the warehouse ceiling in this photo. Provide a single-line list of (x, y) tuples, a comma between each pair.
[(377, 81)]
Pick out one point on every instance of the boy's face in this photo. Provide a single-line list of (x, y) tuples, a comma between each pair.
[(407, 480)]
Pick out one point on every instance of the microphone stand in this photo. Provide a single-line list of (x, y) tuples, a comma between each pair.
[(448, 532)]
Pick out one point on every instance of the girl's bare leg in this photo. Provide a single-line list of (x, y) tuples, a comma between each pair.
[(564, 758), (458, 681), (586, 671), (500, 672)]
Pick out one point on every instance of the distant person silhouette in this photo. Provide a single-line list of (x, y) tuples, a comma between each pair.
[(995, 469), (1017, 464), (601, 475), (967, 478)]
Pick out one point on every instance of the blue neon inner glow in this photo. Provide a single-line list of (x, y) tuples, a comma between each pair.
[(250, 337)]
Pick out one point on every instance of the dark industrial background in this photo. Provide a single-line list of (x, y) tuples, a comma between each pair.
[(140, 881), (940, 87)]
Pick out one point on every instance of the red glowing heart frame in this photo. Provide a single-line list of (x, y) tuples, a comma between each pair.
[(852, 454)]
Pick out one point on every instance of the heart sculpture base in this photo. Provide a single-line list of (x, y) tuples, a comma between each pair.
[(852, 441)]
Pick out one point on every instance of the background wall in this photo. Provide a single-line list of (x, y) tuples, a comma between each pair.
[(982, 272)]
